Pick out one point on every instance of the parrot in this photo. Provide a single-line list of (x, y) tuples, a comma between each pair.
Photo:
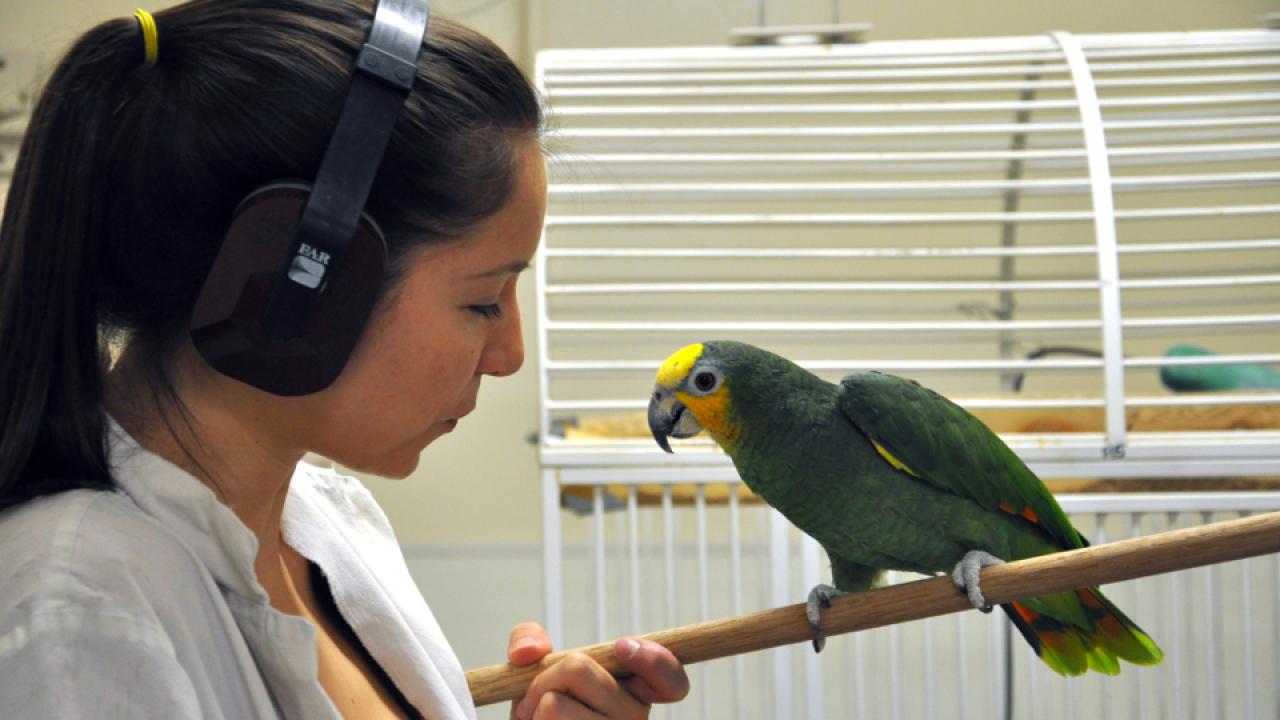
[(886, 474)]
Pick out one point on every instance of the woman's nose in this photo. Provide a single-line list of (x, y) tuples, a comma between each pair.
[(505, 352)]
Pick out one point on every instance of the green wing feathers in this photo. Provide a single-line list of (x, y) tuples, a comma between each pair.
[(1070, 648), (946, 446)]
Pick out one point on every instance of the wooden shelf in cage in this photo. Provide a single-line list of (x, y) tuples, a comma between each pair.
[(1185, 418)]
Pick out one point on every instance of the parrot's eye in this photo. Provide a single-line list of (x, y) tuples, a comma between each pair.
[(705, 381)]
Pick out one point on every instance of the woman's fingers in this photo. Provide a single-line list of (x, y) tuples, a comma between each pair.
[(577, 687), (559, 706), (528, 644), (658, 675), (584, 681)]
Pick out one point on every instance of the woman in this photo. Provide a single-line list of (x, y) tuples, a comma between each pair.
[(163, 551)]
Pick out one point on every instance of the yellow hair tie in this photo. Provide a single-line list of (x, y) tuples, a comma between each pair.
[(150, 38)]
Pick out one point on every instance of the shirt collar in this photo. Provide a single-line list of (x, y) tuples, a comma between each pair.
[(189, 509)]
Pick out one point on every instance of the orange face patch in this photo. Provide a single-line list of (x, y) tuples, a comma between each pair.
[(712, 413)]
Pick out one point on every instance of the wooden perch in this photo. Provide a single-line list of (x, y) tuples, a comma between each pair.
[(1088, 567)]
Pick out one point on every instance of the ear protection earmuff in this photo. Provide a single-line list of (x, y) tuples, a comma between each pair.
[(301, 266)]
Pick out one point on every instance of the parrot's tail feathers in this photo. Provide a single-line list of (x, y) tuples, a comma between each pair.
[(1059, 646), (1071, 650), (1116, 633)]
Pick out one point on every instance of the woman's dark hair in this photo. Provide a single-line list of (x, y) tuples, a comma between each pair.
[(128, 175)]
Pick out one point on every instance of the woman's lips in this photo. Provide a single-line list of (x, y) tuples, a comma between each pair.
[(452, 422)]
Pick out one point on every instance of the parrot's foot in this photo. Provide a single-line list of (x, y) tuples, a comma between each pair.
[(819, 598), (965, 576)]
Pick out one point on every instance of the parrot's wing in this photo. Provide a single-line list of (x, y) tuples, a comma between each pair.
[(924, 434)]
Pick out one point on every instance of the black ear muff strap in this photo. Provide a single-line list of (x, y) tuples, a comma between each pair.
[(385, 71)]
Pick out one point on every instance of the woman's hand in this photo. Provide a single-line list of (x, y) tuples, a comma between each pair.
[(578, 687)]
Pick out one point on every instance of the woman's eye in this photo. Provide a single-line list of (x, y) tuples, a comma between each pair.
[(488, 311)]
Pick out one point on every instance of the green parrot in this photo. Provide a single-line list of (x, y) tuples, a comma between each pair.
[(888, 475)]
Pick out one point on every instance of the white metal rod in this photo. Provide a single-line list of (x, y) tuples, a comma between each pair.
[(859, 676), (792, 89), (788, 90), (844, 131), (908, 52), (1100, 538), (735, 589), (597, 555), (902, 252), (1157, 401), (1213, 644), (552, 560), (1134, 528), (840, 158), (1198, 360), (543, 344), (809, 74), (1215, 103), (962, 665), (1210, 246), (704, 587), (930, 671), (999, 646), (1246, 612), (1068, 700), (885, 286), (1179, 701), (1049, 455), (1275, 613), (779, 564), (969, 51), (702, 191), (740, 109), (815, 707), (736, 61), (633, 553), (895, 671), (677, 75), (1033, 683), (714, 219), (649, 134), (921, 326), (889, 286), (669, 553), (618, 557), (846, 366)]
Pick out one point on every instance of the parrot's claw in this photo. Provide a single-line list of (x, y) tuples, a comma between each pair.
[(819, 598), (965, 576)]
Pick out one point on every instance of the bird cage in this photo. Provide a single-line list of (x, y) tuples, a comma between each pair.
[(1076, 237)]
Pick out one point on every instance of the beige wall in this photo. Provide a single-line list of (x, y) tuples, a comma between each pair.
[(480, 484)]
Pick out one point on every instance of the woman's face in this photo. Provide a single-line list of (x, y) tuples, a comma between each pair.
[(454, 319)]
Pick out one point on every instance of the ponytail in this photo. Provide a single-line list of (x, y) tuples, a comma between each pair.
[(52, 425)]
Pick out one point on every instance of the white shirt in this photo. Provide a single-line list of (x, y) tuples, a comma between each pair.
[(144, 603)]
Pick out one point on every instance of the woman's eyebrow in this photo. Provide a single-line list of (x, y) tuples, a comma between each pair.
[(514, 268)]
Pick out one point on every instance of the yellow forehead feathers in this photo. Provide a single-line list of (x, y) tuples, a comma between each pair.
[(677, 367)]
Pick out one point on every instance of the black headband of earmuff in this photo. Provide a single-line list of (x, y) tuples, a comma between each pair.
[(384, 76)]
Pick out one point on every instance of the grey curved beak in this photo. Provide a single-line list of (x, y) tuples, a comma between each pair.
[(668, 417)]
